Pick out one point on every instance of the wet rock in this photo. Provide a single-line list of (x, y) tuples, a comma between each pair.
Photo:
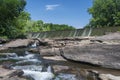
[(7, 65), (33, 50), (16, 73), (2, 41), (7, 74), (95, 54)]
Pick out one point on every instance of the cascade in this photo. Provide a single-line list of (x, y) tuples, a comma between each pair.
[(84, 32), (90, 31)]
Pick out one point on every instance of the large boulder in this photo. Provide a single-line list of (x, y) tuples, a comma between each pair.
[(18, 43), (105, 55)]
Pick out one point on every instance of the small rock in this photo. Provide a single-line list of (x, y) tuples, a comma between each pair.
[(16, 73)]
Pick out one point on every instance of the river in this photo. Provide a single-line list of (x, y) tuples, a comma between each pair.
[(37, 68)]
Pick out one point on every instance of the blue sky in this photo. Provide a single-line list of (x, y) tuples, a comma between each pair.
[(70, 12)]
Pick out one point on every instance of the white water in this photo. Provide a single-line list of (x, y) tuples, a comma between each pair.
[(84, 32), (90, 31), (1, 45), (9, 56), (31, 66), (66, 77), (75, 33), (39, 75), (34, 45), (49, 69)]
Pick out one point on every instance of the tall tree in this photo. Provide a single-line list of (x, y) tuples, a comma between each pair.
[(9, 11), (105, 13)]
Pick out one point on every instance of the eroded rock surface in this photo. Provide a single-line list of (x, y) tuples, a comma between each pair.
[(96, 54), (18, 43), (6, 74)]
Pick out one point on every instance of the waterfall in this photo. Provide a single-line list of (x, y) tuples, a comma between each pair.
[(34, 45), (84, 32), (87, 32), (75, 33), (45, 34), (90, 31)]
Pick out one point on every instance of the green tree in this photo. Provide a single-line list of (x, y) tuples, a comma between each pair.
[(19, 24), (105, 13), (54, 27), (34, 26), (9, 11)]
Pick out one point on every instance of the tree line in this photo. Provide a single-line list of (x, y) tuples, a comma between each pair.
[(105, 13), (15, 21)]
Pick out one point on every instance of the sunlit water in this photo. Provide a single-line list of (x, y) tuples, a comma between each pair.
[(33, 66)]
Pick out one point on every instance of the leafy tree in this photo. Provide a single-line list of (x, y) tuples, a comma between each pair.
[(34, 26), (54, 27), (19, 24), (15, 22), (37, 26), (9, 11), (105, 13)]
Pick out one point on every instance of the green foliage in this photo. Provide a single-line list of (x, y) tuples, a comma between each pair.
[(10, 10), (3, 37), (19, 24), (55, 27), (15, 22), (34, 26), (37, 26), (105, 13)]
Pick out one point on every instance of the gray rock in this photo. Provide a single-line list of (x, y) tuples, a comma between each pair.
[(18, 43), (96, 54), (108, 77), (110, 36), (7, 74), (49, 51)]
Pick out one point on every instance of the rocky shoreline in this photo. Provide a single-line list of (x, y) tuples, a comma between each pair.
[(100, 51)]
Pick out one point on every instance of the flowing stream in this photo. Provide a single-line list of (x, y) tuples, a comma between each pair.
[(33, 66), (36, 68)]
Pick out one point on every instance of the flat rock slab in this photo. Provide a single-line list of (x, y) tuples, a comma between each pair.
[(18, 43), (56, 58), (96, 54)]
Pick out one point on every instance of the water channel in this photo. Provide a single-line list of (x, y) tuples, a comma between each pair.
[(37, 68)]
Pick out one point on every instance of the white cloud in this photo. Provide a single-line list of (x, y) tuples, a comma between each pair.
[(51, 7)]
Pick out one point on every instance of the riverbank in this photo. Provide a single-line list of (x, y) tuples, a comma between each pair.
[(71, 55)]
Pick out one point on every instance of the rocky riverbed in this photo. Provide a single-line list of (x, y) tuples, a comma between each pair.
[(83, 58)]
